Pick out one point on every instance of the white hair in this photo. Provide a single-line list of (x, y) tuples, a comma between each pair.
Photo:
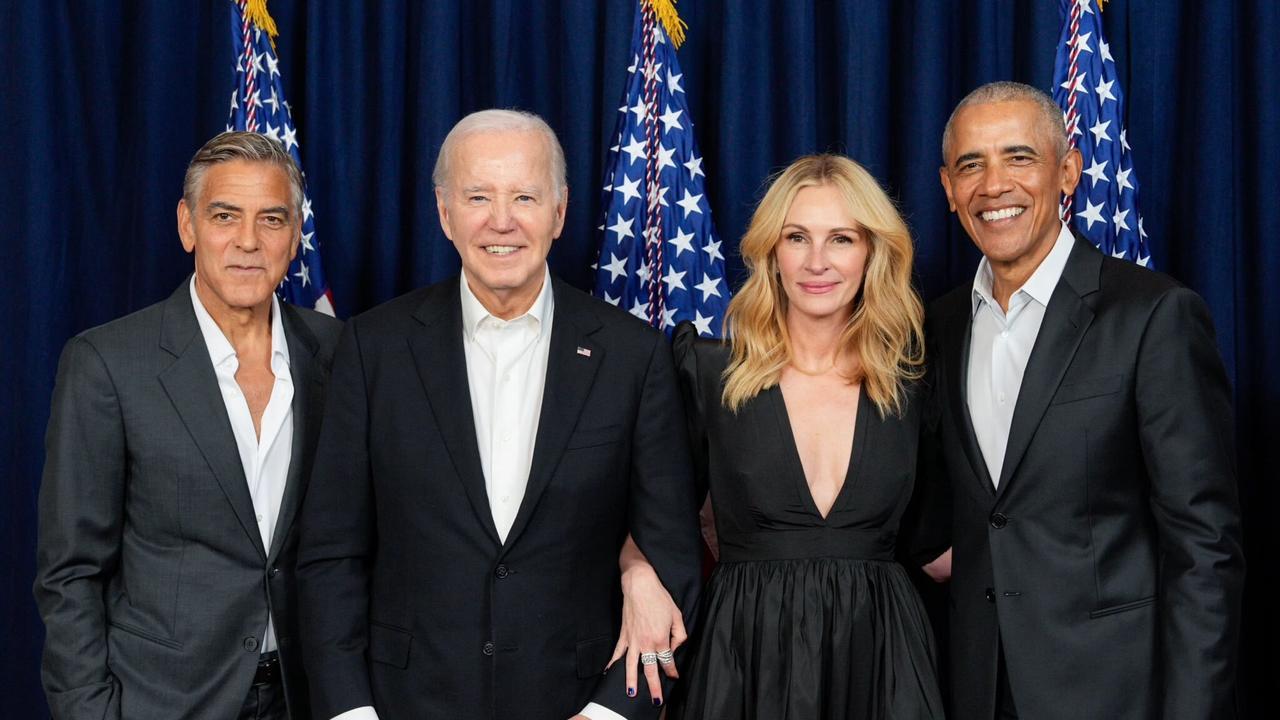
[(490, 121)]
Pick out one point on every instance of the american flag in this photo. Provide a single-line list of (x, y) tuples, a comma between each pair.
[(659, 254), (258, 105), (1105, 206)]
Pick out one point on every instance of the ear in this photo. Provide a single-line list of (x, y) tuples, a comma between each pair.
[(297, 241), (946, 187), (1072, 165), (442, 209), (561, 207), (186, 227)]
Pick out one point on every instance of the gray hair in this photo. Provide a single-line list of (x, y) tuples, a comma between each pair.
[(248, 146), (1006, 91), (488, 121)]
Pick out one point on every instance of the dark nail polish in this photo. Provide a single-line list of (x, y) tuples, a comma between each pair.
[(657, 702), (631, 692)]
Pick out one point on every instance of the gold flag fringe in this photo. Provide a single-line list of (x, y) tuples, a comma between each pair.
[(670, 19), (256, 11)]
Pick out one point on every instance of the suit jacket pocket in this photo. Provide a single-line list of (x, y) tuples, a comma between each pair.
[(389, 645), (1085, 389), (1122, 607), (144, 635), (594, 654), (591, 437)]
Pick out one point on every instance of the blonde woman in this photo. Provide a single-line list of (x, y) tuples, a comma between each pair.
[(805, 427)]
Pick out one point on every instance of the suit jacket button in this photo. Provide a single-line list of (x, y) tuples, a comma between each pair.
[(991, 595), (250, 643), (501, 571), (273, 572), (998, 520), (487, 649)]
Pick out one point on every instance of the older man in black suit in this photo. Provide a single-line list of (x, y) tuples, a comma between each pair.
[(1084, 421), (177, 452), (488, 444)]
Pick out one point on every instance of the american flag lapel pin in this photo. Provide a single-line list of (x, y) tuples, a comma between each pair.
[(584, 352)]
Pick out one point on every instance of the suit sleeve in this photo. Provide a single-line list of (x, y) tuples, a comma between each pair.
[(1185, 420), (663, 517), (336, 542), (926, 524), (81, 513)]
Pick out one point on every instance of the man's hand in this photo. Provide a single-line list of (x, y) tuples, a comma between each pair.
[(651, 622)]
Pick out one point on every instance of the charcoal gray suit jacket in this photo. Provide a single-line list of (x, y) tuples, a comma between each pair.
[(152, 578)]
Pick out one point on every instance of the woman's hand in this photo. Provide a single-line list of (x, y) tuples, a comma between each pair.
[(652, 625)]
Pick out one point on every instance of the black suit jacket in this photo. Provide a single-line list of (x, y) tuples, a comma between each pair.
[(409, 601), (1108, 562), (152, 578)]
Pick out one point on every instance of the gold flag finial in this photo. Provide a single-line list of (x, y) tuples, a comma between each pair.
[(670, 19)]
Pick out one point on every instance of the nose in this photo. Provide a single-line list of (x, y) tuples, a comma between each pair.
[(995, 180), (247, 236), (815, 258), (500, 215)]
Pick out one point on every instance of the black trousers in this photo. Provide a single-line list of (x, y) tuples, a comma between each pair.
[(265, 700)]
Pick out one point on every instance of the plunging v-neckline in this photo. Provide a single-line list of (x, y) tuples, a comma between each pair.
[(855, 453)]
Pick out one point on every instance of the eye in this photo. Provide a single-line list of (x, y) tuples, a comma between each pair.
[(524, 198), (476, 198), (222, 216), (844, 240), (1021, 159), (274, 221), (969, 166), (796, 238)]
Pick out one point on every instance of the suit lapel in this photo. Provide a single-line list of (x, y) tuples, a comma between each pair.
[(1065, 321), (570, 374), (192, 387), (960, 332), (308, 397), (442, 367)]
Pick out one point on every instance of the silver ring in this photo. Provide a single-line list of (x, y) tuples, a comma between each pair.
[(649, 658), (666, 657)]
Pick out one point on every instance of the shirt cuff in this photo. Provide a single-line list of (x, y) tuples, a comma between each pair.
[(595, 711), (365, 712)]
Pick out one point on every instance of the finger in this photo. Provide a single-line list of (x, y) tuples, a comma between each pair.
[(669, 669), (655, 685), (618, 651), (633, 657), (678, 634)]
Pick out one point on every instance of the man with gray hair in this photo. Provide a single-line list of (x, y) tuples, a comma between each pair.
[(177, 449), (488, 444), (1083, 422)]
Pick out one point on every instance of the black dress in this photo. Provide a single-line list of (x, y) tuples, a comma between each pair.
[(804, 617)]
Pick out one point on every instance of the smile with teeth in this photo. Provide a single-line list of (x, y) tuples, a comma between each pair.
[(500, 249), (1002, 214)]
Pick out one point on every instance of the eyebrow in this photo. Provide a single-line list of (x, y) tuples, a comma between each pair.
[(223, 205), (802, 228), (1008, 150)]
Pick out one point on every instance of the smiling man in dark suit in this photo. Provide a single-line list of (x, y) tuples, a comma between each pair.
[(1084, 422), (488, 444), (177, 452)]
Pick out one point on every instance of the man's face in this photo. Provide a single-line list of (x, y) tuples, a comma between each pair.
[(501, 212), (243, 232), (1004, 181)]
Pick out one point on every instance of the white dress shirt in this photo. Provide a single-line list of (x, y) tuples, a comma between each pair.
[(1000, 347), (506, 374), (265, 459)]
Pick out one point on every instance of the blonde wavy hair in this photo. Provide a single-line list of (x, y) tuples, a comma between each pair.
[(885, 330)]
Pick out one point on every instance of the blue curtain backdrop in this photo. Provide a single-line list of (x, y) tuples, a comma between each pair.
[(104, 102)]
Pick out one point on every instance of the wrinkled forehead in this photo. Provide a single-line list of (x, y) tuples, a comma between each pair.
[(502, 158), (999, 128)]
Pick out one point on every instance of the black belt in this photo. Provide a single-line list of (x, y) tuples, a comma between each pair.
[(268, 669)]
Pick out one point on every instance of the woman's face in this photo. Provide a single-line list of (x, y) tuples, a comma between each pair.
[(821, 254)]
